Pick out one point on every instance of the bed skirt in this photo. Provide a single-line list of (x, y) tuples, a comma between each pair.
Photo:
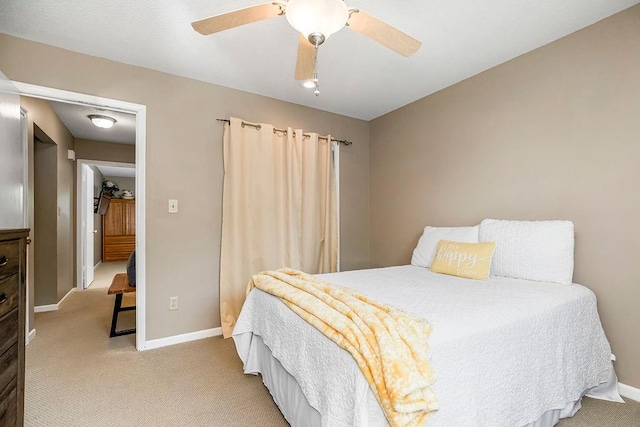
[(283, 387), (287, 394)]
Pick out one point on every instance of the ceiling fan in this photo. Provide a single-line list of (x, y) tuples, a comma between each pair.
[(316, 20)]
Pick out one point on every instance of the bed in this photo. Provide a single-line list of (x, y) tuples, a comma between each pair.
[(505, 351)]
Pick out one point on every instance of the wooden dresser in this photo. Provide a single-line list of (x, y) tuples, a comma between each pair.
[(13, 244), (119, 230)]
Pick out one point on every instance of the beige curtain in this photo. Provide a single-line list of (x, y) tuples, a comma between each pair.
[(279, 208)]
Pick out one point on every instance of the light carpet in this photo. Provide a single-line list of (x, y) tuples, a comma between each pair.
[(78, 376)]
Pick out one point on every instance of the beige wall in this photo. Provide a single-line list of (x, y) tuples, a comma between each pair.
[(44, 228), (108, 151), (184, 161), (39, 112), (551, 134)]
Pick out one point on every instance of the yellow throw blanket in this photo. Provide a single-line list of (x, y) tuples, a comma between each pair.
[(390, 346)]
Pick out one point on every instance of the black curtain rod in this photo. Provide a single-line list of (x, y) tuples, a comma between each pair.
[(339, 141)]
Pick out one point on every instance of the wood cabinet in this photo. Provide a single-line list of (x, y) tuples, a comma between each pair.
[(13, 245), (119, 230)]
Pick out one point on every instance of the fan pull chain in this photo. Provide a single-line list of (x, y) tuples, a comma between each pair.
[(316, 91)]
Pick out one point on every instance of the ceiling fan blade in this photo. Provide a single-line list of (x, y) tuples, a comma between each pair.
[(236, 18), (383, 33), (306, 59)]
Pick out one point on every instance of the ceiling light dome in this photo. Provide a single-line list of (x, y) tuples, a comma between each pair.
[(104, 122), (317, 17)]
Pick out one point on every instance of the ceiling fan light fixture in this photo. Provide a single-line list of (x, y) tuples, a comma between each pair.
[(324, 17), (104, 122), (308, 84)]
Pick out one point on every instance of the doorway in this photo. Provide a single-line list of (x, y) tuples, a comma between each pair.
[(140, 172), (90, 176)]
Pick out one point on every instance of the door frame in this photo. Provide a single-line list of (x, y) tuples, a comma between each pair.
[(42, 92), (86, 253), (24, 138), (81, 206)]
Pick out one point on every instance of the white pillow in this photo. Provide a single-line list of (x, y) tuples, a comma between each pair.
[(532, 250), (426, 249)]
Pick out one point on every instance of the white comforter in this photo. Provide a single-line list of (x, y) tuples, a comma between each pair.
[(504, 350)]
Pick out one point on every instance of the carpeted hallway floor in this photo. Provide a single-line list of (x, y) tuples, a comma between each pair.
[(78, 376)]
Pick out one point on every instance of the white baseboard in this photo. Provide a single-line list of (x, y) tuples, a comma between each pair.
[(43, 308), (72, 290), (629, 392), (52, 307), (179, 339), (30, 336), (97, 265)]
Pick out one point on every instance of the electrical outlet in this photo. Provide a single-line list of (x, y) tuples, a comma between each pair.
[(173, 303)]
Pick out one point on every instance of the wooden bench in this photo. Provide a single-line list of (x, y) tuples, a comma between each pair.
[(120, 286)]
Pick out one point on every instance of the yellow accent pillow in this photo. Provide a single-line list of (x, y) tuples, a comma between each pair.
[(470, 260)]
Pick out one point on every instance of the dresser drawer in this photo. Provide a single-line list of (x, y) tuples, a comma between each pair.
[(8, 330), (9, 405), (8, 294), (8, 366), (9, 257)]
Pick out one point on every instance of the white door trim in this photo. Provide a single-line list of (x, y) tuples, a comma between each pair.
[(24, 136), (140, 111), (86, 202)]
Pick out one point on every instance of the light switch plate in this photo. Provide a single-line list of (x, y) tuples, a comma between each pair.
[(173, 206)]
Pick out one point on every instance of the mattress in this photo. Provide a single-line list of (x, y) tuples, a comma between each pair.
[(504, 351)]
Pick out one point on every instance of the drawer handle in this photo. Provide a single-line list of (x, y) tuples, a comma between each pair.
[(3, 297), (3, 261)]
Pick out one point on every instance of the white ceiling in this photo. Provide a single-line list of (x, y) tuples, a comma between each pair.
[(117, 171), (74, 117), (358, 78)]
